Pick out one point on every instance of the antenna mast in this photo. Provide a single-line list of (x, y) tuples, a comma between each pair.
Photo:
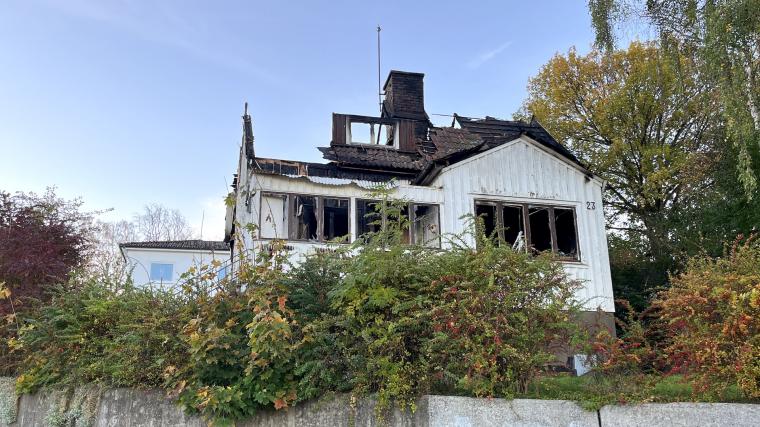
[(379, 91)]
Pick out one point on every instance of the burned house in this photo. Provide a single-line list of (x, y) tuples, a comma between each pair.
[(528, 188)]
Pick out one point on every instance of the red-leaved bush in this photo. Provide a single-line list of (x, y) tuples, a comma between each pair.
[(712, 318)]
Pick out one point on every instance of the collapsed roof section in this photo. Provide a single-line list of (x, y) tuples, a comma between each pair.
[(402, 143)]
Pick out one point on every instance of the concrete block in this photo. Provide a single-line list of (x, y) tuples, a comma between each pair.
[(681, 415), (451, 411), (126, 407)]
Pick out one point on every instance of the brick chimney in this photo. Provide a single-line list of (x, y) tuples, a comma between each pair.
[(404, 96), (405, 99)]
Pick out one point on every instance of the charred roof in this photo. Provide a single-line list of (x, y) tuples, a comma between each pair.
[(402, 142)]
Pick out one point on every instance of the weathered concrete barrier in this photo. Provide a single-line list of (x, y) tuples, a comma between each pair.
[(681, 415), (130, 408), (127, 408)]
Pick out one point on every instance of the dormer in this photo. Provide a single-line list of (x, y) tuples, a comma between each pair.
[(366, 131)]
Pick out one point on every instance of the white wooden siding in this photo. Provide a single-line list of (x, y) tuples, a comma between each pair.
[(523, 171)]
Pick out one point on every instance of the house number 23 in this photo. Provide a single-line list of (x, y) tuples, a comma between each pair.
[(591, 206)]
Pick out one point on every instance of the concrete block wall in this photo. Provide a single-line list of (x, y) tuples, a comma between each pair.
[(128, 408)]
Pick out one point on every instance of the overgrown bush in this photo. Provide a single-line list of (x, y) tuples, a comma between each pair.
[(241, 344), (712, 312), (703, 329), (102, 332), (379, 316)]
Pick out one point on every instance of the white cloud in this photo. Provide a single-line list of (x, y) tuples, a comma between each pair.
[(484, 57)]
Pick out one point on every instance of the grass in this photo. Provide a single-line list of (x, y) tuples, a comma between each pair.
[(592, 392)]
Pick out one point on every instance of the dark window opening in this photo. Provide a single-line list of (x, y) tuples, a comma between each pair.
[(367, 217), (304, 216), (334, 218), (425, 226), (514, 226), (540, 230), (487, 214), (564, 224), (402, 218)]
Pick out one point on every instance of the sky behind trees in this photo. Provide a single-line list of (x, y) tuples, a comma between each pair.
[(127, 103)]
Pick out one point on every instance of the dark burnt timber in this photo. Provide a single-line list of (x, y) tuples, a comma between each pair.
[(325, 170)]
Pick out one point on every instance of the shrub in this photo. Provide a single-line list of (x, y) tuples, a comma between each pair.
[(379, 316), (498, 317), (241, 343), (109, 333), (712, 311)]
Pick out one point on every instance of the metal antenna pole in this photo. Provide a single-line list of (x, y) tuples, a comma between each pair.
[(379, 92)]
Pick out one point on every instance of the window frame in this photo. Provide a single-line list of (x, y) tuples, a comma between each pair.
[(411, 218), (289, 198), (163, 264), (526, 206)]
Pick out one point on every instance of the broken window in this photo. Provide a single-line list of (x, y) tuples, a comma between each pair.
[(367, 217), (368, 130), (514, 226), (547, 228), (564, 225), (487, 213), (362, 133), (272, 223), (425, 225), (540, 230), (334, 218), (303, 217)]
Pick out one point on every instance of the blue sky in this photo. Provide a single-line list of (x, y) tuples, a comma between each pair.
[(131, 102)]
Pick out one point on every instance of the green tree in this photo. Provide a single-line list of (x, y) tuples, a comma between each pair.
[(646, 124), (724, 38)]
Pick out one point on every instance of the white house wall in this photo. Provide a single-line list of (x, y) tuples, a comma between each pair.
[(522, 171), (140, 259)]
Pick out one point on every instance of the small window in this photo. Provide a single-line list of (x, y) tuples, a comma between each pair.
[(222, 272), (362, 133), (425, 226), (367, 217), (334, 218), (372, 134), (540, 230), (487, 213), (567, 241), (514, 226), (304, 218), (161, 272)]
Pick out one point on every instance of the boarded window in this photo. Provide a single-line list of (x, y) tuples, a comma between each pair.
[(514, 226), (425, 225), (303, 218), (367, 217), (564, 225), (272, 224), (540, 230), (334, 218), (487, 213)]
